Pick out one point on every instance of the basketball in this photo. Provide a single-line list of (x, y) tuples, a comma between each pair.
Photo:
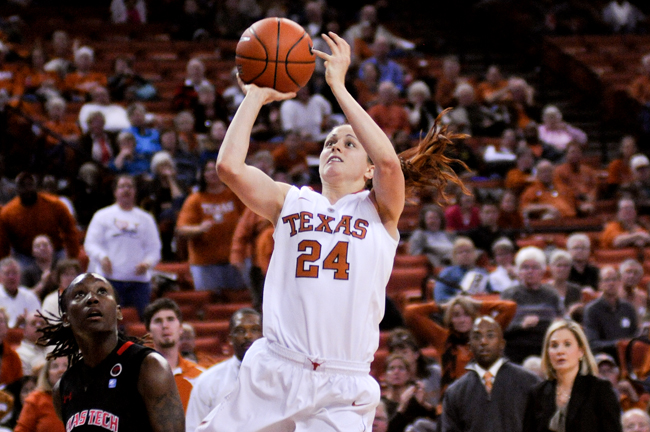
[(276, 53)]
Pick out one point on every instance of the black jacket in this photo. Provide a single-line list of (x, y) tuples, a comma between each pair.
[(593, 406)]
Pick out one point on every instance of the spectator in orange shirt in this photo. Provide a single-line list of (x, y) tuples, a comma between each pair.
[(291, 157), (208, 219), (494, 89), (625, 231), (35, 82), (38, 414), (389, 113), (543, 199), (520, 177), (447, 83), (57, 123), (367, 86), (163, 321), (640, 86), (77, 85), (32, 213), (12, 368), (576, 175), (619, 172)]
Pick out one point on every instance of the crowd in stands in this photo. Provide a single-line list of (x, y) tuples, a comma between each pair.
[(120, 189)]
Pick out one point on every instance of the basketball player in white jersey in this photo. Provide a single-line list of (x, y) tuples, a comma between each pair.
[(325, 287)]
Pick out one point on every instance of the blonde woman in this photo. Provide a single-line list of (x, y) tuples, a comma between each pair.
[(572, 398)]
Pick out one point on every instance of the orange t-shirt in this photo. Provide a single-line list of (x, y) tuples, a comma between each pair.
[(640, 89), (224, 208), (517, 180), (390, 118), (584, 182), (612, 230), (619, 173), (184, 375), (80, 84), (68, 130), (38, 414), (537, 193)]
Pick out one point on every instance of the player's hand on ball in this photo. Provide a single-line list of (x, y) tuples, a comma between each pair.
[(269, 94), (337, 63)]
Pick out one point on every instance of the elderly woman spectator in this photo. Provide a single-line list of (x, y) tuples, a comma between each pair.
[(421, 108), (560, 265), (147, 139), (625, 231), (463, 276), (77, 85), (430, 238), (632, 290), (635, 420), (99, 145), (537, 305), (504, 275), (186, 95), (582, 272), (127, 160), (556, 133)]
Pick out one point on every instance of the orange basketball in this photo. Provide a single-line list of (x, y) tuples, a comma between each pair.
[(276, 53)]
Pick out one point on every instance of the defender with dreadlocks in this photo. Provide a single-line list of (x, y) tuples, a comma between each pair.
[(113, 383), (325, 288)]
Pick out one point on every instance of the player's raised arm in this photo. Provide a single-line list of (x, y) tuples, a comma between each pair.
[(257, 190), (388, 180)]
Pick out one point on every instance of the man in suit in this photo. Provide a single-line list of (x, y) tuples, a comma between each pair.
[(492, 395)]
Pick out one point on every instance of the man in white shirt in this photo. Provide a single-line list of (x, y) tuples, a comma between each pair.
[(31, 354), (214, 384), (307, 114), (123, 245), (17, 300), (115, 116), (505, 275)]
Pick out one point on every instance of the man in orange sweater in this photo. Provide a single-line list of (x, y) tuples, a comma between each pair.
[(33, 213)]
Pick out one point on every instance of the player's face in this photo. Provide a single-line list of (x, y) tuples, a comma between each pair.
[(343, 157), (57, 367), (165, 329), (247, 329), (91, 305), (563, 351)]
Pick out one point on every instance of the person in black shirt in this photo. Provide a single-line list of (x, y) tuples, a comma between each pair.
[(112, 383), (582, 273)]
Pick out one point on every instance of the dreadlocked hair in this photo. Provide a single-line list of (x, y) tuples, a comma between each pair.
[(59, 334), (427, 166)]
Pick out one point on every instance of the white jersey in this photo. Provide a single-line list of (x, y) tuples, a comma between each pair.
[(325, 289)]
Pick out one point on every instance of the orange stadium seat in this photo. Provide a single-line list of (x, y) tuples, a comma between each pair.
[(222, 311), (405, 278)]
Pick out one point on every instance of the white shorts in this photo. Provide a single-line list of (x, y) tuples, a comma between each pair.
[(279, 390)]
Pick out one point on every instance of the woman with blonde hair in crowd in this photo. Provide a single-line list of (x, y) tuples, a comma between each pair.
[(38, 414), (572, 398)]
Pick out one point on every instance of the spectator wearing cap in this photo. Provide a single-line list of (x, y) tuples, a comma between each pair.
[(628, 397), (625, 231), (609, 318), (639, 189), (504, 275)]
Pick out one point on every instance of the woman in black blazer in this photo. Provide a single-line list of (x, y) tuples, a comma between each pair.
[(572, 399)]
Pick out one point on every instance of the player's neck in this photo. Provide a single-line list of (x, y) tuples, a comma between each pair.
[(334, 192), (96, 347)]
